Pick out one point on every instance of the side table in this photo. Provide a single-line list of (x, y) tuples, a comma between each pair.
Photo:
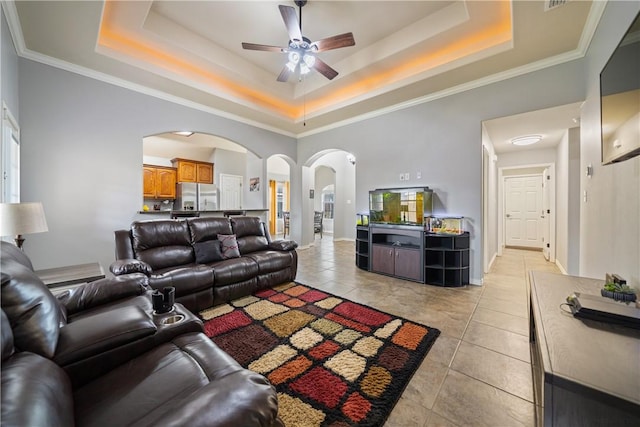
[(62, 278)]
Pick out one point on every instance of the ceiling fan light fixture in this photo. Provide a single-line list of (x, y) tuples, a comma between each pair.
[(526, 140), (310, 60), (294, 57), (304, 69)]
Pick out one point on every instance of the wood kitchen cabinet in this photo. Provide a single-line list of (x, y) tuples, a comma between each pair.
[(159, 182), (193, 171)]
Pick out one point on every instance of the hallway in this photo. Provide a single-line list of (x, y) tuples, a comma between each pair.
[(478, 372)]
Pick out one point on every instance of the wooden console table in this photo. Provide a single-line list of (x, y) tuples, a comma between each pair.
[(585, 373), (71, 275)]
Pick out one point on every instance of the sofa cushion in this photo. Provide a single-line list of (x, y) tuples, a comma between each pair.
[(207, 252), (207, 228), (11, 251), (162, 243), (7, 336), (234, 270), (269, 261), (103, 291), (247, 226), (249, 244), (229, 246), (35, 392), (130, 265), (32, 310), (186, 279), (198, 384)]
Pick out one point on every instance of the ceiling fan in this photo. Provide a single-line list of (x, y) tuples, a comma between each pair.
[(301, 52)]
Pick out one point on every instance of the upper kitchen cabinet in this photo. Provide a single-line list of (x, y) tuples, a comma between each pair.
[(193, 171), (159, 182)]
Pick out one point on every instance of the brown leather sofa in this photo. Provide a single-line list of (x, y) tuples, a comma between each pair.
[(180, 253), (97, 355)]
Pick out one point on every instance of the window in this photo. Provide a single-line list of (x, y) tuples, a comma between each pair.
[(10, 157), (327, 203), (281, 198)]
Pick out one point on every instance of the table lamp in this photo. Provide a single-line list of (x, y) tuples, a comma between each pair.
[(17, 219)]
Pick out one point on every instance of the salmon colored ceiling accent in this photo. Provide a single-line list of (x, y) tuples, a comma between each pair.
[(494, 33)]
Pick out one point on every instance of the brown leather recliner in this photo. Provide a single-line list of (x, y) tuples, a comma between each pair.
[(98, 356), (175, 253)]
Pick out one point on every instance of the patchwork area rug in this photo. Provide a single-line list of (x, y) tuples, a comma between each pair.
[(333, 362)]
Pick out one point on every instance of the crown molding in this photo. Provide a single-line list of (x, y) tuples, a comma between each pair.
[(595, 13)]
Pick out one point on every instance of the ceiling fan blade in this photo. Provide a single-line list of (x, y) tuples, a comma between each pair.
[(263, 47), (335, 42), (322, 67), (291, 22), (284, 74)]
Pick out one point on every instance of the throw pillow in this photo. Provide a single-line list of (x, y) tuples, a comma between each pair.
[(229, 246), (207, 252)]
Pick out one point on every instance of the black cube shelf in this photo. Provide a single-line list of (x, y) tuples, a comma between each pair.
[(446, 259)]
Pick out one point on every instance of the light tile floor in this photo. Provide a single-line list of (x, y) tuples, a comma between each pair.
[(478, 372)]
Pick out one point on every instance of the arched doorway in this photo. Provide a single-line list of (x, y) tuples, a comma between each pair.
[(279, 193)]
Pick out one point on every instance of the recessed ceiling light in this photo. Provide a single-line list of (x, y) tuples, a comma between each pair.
[(526, 140), (183, 133)]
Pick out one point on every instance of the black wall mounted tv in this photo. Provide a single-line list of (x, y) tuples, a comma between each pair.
[(620, 99)]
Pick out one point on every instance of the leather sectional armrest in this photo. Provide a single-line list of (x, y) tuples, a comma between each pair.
[(283, 245), (129, 265), (103, 291), (93, 335)]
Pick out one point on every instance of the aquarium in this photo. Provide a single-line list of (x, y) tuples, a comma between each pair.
[(362, 219), (444, 224), (402, 206)]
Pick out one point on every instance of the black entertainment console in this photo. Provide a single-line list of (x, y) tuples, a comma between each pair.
[(411, 253)]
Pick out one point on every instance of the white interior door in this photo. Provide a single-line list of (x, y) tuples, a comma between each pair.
[(546, 232), (230, 192), (523, 205)]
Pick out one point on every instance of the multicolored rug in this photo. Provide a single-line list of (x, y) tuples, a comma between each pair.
[(333, 362)]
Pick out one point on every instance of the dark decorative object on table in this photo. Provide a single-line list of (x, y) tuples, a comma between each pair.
[(618, 290)]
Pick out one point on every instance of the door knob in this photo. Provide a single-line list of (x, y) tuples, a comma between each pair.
[(508, 215)]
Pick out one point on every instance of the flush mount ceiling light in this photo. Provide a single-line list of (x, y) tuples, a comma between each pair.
[(183, 133), (526, 140)]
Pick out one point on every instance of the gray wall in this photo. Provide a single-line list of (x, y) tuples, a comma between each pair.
[(8, 69), (82, 152), (442, 140), (573, 203), (610, 218)]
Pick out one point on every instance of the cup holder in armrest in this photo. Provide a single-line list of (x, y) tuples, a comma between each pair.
[(173, 319)]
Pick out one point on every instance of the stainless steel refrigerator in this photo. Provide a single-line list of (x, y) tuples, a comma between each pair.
[(207, 197), (196, 197)]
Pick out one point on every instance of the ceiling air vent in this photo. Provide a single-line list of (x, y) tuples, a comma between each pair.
[(552, 4)]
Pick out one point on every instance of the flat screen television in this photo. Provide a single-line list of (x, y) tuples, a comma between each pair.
[(620, 99)]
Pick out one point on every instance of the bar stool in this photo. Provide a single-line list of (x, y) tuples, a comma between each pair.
[(234, 213), (286, 218)]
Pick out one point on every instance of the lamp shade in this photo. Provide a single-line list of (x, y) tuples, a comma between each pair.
[(22, 218)]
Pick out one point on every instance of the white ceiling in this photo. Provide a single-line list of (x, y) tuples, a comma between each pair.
[(405, 52)]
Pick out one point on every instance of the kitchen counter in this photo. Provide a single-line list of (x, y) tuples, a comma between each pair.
[(151, 215), (213, 213)]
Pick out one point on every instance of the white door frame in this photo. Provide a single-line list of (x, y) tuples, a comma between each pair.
[(552, 205), (540, 232)]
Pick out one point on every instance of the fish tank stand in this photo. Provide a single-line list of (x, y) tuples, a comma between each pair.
[(446, 259)]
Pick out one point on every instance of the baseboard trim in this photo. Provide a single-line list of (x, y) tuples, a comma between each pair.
[(562, 270)]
